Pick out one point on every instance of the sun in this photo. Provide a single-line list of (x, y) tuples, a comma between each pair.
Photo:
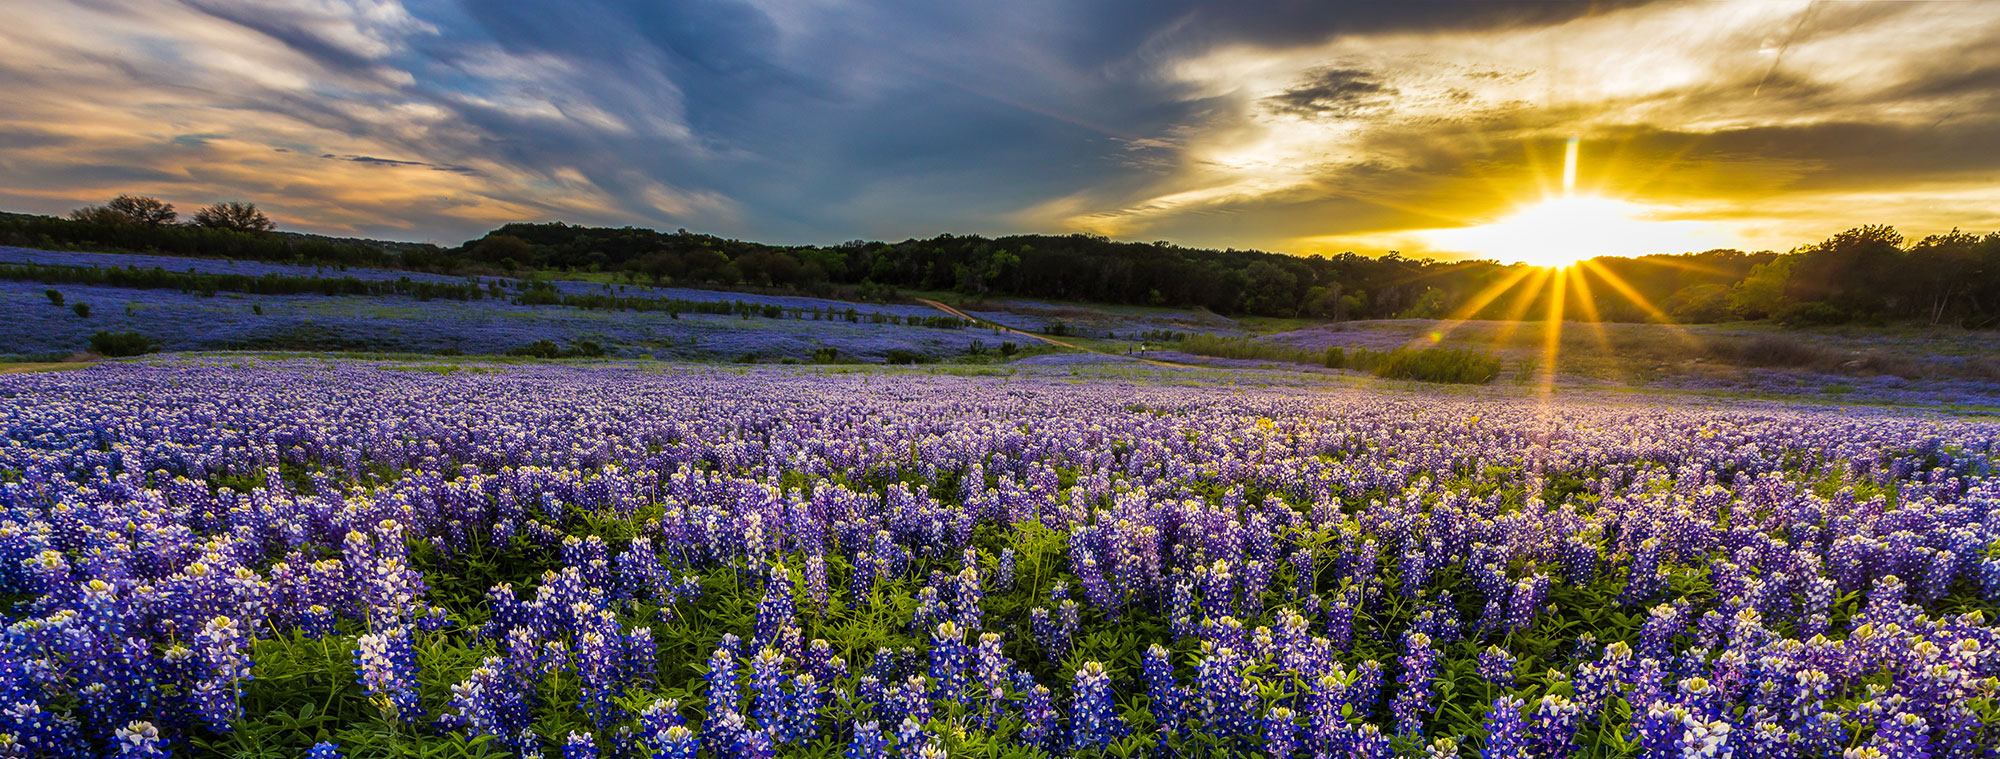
[(1556, 232), (1559, 232)]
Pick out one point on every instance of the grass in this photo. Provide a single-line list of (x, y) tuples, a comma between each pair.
[(1243, 348), (1448, 365), (38, 367)]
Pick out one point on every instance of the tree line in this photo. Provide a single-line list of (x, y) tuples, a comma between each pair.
[(1868, 273)]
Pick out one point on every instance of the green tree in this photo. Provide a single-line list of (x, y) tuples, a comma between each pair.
[(498, 249), (1269, 290), (1762, 293), (1325, 302), (144, 210), (1859, 270), (233, 215)]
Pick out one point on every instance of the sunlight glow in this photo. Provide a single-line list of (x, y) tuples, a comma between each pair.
[(1561, 231)]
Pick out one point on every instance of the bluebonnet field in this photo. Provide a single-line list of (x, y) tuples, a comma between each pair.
[(358, 559), (190, 321)]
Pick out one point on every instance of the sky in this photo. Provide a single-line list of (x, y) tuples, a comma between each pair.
[(1433, 127)]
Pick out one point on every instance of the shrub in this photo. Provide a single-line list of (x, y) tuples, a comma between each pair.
[(548, 349), (905, 357), (1815, 313), (55, 296), (1336, 358), (118, 344), (1453, 365), (81, 309), (1768, 350), (1009, 349)]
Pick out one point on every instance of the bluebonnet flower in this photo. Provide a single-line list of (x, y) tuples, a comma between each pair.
[(1168, 703), (579, 746), (767, 678), (1903, 735), (1095, 722), (1039, 721), (676, 742), (801, 715), (1227, 698), (949, 659), (1003, 572), (1280, 733), (223, 646), (141, 740), (966, 599), (1496, 666), (1552, 729), (723, 691), (490, 701), (1506, 736), (1414, 689), (600, 670), (388, 665), (868, 742)]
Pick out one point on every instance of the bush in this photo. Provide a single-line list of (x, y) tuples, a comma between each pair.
[(1453, 365), (1815, 313), (55, 296), (81, 309), (905, 357), (119, 344), (1459, 365), (1009, 349), (1768, 350), (548, 349)]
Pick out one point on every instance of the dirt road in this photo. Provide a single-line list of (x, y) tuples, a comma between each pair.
[(1045, 338)]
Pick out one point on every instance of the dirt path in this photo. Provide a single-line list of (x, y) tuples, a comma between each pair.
[(1045, 338), (32, 368)]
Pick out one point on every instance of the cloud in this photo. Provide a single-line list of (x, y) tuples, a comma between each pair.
[(1678, 103), (1336, 93), (1280, 125)]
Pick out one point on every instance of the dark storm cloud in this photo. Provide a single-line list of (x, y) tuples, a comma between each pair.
[(1333, 93)]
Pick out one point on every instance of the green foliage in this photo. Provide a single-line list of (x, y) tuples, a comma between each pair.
[(1452, 365), (548, 349), (55, 296), (1762, 293), (119, 344), (82, 309), (1815, 313), (235, 216)]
